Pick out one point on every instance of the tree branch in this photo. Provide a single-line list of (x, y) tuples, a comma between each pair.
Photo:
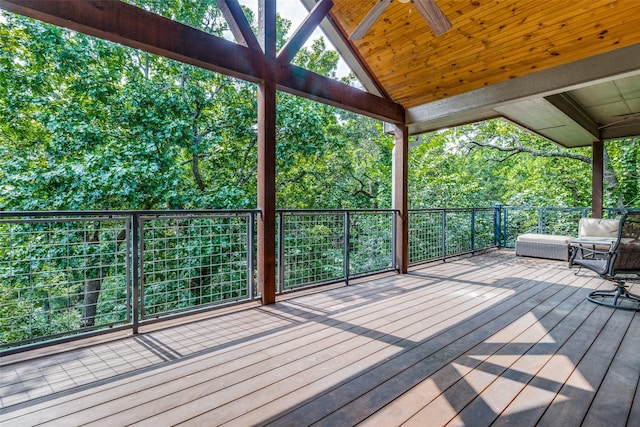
[(516, 149)]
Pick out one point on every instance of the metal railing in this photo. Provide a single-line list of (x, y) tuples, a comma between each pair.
[(67, 274), (53, 270), (319, 247), (437, 234), (517, 220)]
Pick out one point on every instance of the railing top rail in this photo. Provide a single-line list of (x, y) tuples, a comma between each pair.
[(64, 220), (295, 211), (492, 208), (13, 214), (552, 208)]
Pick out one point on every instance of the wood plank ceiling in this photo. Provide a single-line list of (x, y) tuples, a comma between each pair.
[(490, 42)]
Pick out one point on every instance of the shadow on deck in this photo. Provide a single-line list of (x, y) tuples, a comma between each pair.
[(484, 340)]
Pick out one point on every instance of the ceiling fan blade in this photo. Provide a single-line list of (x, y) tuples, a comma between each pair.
[(433, 15), (368, 20)]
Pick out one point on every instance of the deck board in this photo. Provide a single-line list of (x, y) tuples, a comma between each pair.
[(491, 368), (486, 340)]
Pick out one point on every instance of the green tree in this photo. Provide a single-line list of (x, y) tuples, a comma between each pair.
[(496, 162), (93, 125)]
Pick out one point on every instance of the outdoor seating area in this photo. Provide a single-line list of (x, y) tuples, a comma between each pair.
[(202, 256), (607, 247), (515, 343), (619, 263), (591, 231)]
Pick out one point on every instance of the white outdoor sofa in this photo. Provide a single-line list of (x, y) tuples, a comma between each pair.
[(554, 246)]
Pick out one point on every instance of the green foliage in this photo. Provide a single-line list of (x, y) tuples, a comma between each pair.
[(496, 162), (91, 125), (623, 189)]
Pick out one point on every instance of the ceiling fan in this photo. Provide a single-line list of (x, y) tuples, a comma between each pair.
[(427, 8)]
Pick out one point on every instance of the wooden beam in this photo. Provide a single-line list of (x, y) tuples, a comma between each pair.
[(238, 23), (348, 52), (568, 106), (621, 130), (301, 82), (131, 26), (400, 198), (134, 27), (597, 177), (304, 31), (266, 259)]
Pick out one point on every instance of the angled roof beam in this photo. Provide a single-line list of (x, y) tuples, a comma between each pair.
[(339, 38), (301, 82), (370, 18), (238, 23), (621, 130), (568, 106), (134, 27), (305, 30)]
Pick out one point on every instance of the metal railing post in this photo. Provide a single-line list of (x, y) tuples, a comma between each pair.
[(136, 259), (250, 255), (473, 229), (347, 237), (394, 241), (496, 225), (444, 234), (280, 287)]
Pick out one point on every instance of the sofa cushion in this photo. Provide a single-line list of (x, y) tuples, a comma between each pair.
[(597, 227), (550, 239)]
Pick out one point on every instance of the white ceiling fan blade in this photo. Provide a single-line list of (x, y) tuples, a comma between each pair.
[(368, 20), (433, 15)]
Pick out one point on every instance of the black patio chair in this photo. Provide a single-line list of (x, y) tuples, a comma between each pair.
[(619, 264)]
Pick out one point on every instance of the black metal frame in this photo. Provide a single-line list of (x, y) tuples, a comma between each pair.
[(604, 264)]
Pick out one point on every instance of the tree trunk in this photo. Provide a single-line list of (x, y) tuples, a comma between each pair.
[(90, 302), (92, 284), (610, 182)]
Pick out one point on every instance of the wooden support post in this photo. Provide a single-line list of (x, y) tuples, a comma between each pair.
[(400, 198), (597, 177), (267, 156)]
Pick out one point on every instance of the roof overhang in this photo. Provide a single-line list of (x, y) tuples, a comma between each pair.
[(593, 97), (574, 105)]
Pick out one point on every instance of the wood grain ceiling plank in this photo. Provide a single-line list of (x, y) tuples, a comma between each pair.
[(465, 55), (463, 29), (510, 59), (619, 32), (510, 26), (496, 40)]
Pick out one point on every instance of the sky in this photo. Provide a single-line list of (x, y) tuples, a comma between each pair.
[(295, 12)]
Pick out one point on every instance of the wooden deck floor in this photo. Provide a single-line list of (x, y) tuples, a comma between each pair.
[(485, 340)]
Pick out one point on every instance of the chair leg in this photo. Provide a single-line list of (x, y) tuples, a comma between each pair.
[(619, 297)]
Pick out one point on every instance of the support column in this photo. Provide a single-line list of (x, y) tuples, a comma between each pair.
[(266, 258), (597, 178), (400, 198)]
